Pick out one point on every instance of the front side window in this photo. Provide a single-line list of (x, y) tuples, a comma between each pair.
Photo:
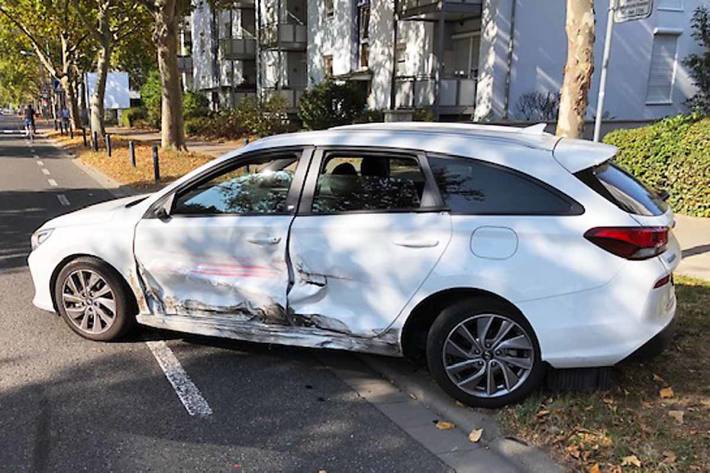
[(362, 182), (256, 186), (472, 187)]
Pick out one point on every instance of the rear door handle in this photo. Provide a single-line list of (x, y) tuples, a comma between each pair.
[(417, 243), (264, 240)]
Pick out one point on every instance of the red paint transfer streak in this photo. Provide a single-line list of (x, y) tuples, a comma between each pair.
[(235, 271)]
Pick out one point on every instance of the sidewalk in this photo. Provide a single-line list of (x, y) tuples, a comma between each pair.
[(212, 148), (693, 234)]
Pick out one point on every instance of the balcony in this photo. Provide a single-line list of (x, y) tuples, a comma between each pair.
[(238, 49), (184, 64), (456, 96), (285, 36), (292, 97), (452, 10)]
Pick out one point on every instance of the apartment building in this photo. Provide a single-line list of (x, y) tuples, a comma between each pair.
[(461, 59)]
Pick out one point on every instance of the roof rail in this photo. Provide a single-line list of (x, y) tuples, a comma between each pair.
[(536, 129)]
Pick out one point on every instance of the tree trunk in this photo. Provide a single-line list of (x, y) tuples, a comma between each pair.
[(97, 98), (172, 130), (579, 68)]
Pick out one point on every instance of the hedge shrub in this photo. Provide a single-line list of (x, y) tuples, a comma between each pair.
[(195, 104), (249, 117), (131, 116), (673, 155), (331, 104)]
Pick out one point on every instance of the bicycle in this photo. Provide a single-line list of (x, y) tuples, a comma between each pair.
[(29, 131)]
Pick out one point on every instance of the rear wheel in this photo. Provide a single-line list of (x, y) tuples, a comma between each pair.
[(92, 300), (484, 353)]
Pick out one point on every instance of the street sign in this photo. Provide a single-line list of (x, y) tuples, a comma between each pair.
[(628, 10)]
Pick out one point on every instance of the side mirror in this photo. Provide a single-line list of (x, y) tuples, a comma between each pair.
[(162, 213), (162, 209)]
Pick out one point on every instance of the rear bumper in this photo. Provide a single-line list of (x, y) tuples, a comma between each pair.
[(654, 346)]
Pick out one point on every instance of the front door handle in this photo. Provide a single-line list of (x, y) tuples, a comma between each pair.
[(264, 240), (413, 243)]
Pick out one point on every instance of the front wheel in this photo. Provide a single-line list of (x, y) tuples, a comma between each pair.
[(483, 353), (92, 300)]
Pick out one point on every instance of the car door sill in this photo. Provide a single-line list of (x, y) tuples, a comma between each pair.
[(385, 344)]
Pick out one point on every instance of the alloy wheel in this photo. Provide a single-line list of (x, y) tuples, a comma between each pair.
[(89, 301), (488, 355)]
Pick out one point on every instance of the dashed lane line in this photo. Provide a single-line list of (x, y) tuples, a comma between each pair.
[(52, 182), (40, 163), (45, 171), (63, 200), (187, 392)]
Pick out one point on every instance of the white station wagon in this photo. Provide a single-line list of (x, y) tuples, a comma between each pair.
[(492, 251)]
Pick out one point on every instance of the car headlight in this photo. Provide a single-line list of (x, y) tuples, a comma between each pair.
[(40, 237)]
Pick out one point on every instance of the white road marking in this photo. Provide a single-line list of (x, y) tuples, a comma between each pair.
[(45, 171), (52, 182), (63, 200), (189, 395), (36, 156), (40, 163)]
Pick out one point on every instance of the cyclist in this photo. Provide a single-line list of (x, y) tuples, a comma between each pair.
[(30, 121)]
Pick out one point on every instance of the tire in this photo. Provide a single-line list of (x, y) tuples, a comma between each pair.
[(461, 365), (106, 312)]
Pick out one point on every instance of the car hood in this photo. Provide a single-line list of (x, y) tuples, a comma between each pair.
[(97, 213)]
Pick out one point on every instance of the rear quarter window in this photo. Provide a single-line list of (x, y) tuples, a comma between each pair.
[(622, 189), (468, 186)]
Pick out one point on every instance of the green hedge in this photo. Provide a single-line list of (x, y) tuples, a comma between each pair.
[(672, 155)]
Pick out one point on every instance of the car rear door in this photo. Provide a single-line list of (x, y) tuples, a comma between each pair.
[(369, 231), (221, 251)]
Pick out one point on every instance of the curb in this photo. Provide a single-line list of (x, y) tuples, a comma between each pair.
[(417, 383)]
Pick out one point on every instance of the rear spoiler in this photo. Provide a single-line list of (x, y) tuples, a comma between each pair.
[(576, 155)]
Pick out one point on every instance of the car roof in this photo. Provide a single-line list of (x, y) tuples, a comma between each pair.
[(504, 145)]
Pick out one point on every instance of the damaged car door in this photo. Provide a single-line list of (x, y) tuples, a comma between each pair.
[(370, 228), (216, 250)]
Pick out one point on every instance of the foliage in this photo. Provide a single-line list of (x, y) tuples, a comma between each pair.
[(536, 106), (699, 64), (195, 104), (250, 117), (151, 96), (331, 104), (130, 117), (670, 155), (423, 115)]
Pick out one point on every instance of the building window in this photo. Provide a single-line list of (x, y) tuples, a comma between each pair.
[(400, 53), (329, 8), (661, 74), (363, 31), (328, 65)]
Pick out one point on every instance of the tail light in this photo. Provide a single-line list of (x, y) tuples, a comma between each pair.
[(630, 242)]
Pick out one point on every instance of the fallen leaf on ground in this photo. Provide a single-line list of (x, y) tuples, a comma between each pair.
[(595, 468), (475, 435), (666, 393), (658, 378), (669, 457), (444, 425), (677, 415), (573, 451), (542, 413), (631, 460)]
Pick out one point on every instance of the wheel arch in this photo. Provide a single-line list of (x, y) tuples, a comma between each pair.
[(68, 259), (421, 318)]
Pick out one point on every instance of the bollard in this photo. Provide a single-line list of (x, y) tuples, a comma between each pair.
[(95, 143), (61, 128), (156, 164), (132, 153), (246, 140), (56, 127), (83, 135), (71, 132), (107, 139)]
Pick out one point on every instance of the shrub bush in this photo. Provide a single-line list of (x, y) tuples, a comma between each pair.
[(250, 117), (151, 96), (331, 104), (130, 116), (195, 105), (671, 155)]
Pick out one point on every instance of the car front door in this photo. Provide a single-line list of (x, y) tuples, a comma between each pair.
[(219, 251), (369, 231)]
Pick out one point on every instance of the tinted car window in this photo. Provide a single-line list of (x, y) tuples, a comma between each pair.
[(257, 186), (472, 187), (368, 182), (622, 189)]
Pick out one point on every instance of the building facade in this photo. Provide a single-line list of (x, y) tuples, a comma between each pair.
[(458, 59)]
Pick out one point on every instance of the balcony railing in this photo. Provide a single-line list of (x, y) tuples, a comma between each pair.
[(238, 48), (412, 8), (285, 36), (417, 92), (184, 64), (292, 96)]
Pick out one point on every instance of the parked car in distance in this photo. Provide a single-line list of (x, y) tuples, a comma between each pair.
[(492, 252)]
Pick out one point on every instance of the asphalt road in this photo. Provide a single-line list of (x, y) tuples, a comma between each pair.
[(67, 404)]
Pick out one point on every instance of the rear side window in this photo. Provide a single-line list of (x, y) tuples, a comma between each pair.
[(471, 187), (622, 189)]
